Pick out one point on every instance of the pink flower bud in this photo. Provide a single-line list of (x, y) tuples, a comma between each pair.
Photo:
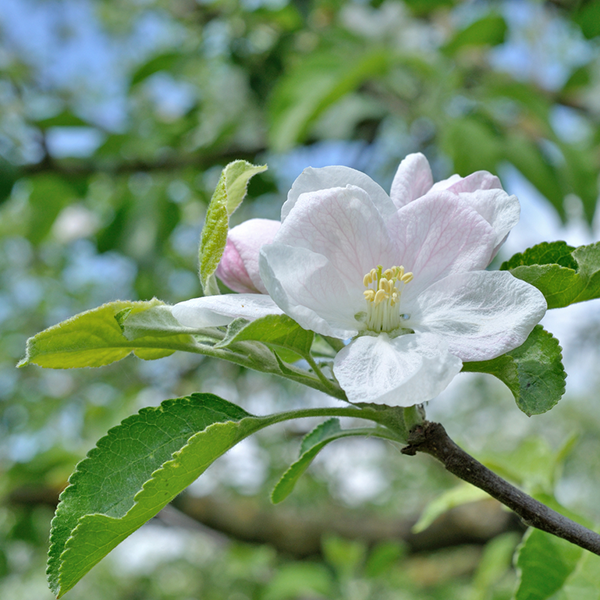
[(238, 268)]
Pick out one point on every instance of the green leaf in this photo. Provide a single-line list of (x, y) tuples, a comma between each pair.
[(95, 338), (279, 331), (544, 562), (134, 471), (461, 494), (63, 119), (50, 194), (529, 159), (162, 62), (564, 275), (315, 84), (229, 193), (533, 372), (472, 143), (157, 320), (584, 582), (313, 443), (488, 31)]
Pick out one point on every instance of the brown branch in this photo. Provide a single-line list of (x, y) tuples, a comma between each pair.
[(82, 168), (432, 439), (299, 533)]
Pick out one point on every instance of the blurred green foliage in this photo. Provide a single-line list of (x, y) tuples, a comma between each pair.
[(109, 153)]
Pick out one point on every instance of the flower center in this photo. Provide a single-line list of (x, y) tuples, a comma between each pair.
[(383, 297)]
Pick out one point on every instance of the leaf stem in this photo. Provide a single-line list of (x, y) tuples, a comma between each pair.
[(317, 370), (432, 439)]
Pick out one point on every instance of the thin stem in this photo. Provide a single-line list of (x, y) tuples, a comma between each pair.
[(317, 370), (432, 439), (336, 344)]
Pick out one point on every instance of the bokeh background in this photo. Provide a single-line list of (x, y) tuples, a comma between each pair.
[(116, 117)]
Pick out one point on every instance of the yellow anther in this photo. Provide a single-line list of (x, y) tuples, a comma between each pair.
[(384, 284), (388, 273), (400, 273), (407, 277), (367, 279), (369, 295), (380, 296), (373, 274)]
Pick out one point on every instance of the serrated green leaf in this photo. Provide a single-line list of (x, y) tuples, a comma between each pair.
[(279, 331), (544, 562), (95, 338), (451, 498), (563, 279), (134, 471), (319, 433), (313, 443), (229, 193), (533, 372)]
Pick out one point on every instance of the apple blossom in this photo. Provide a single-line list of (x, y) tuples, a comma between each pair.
[(402, 277)]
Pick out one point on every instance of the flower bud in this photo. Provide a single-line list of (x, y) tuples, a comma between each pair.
[(238, 268)]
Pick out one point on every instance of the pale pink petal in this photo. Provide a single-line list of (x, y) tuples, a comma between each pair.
[(413, 179), (238, 268), (344, 225), (214, 311), (499, 209), (314, 180), (438, 235), (480, 180), (308, 288), (403, 371), (444, 184), (480, 315)]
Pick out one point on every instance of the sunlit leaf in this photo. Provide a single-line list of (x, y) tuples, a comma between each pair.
[(564, 275), (279, 331), (95, 338), (228, 195)]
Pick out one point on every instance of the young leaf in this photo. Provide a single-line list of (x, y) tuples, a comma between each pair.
[(565, 275), (279, 331), (134, 471), (156, 321), (533, 372), (94, 338), (313, 443), (229, 193), (456, 496)]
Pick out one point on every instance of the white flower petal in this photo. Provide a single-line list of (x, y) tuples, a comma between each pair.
[(413, 179), (315, 180), (309, 289), (438, 235), (403, 371), (481, 315), (213, 311), (499, 209), (345, 226), (480, 180)]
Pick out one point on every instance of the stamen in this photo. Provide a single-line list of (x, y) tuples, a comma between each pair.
[(383, 298)]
